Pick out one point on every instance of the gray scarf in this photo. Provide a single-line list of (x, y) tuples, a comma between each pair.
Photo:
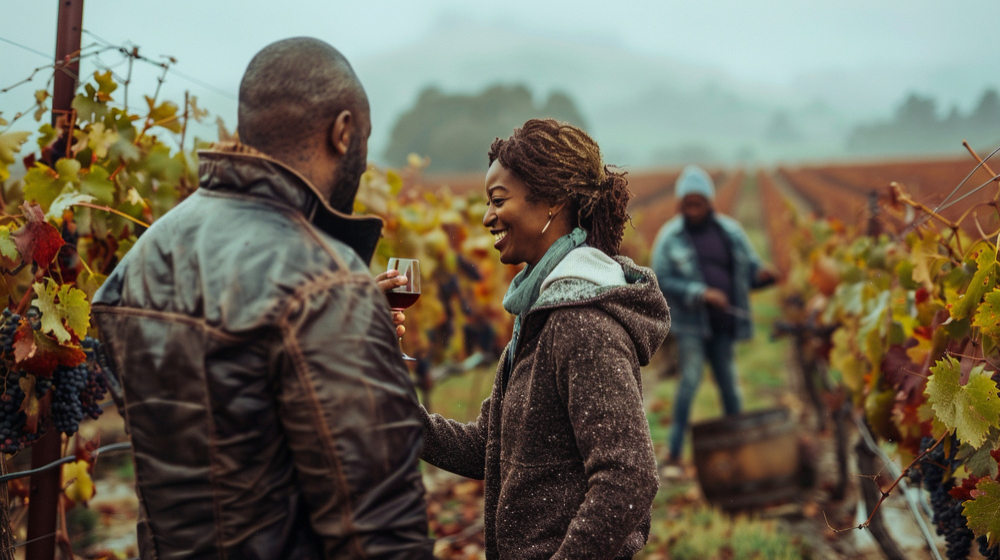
[(525, 288)]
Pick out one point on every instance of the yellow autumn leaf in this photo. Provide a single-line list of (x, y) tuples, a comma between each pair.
[(62, 303), (79, 487)]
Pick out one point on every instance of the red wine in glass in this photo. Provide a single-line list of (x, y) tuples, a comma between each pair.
[(406, 295), (399, 301)]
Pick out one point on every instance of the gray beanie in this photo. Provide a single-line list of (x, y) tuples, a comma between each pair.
[(694, 180)]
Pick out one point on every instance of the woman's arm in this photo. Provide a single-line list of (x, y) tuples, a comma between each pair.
[(596, 373), (454, 446)]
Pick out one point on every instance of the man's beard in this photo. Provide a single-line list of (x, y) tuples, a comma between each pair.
[(348, 177)]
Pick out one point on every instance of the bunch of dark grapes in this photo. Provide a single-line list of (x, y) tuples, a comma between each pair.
[(948, 515), (12, 421), (97, 382), (67, 407), (988, 552), (10, 323)]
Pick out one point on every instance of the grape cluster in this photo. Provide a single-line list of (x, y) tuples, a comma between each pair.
[(12, 421), (97, 381), (7, 330), (948, 517), (988, 552), (67, 407)]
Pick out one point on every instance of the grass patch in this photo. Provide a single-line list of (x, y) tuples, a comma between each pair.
[(697, 532)]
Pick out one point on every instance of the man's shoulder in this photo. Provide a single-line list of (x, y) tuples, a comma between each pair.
[(729, 223)]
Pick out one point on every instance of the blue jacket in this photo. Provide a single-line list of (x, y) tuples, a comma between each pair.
[(676, 266)]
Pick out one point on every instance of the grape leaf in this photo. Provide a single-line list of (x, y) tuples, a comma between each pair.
[(983, 511), (164, 114), (982, 282), (89, 282), (970, 409), (10, 144), (96, 184), (32, 406), (37, 239), (988, 316), (845, 360), (38, 354), (77, 481), (59, 303), (105, 85), (42, 185), (64, 202), (97, 138), (925, 254), (7, 247)]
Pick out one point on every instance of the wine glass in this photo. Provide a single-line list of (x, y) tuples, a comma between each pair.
[(406, 295)]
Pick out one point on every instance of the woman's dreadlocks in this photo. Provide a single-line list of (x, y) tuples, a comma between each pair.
[(561, 162)]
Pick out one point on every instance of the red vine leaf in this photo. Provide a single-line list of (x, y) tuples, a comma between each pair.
[(37, 240), (38, 354)]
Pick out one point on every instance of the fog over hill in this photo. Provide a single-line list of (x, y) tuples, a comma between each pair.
[(652, 110)]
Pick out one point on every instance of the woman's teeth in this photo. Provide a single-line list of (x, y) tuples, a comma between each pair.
[(499, 235)]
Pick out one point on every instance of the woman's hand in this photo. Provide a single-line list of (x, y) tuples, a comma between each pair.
[(389, 280)]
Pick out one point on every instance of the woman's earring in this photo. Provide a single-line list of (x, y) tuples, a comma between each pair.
[(548, 222)]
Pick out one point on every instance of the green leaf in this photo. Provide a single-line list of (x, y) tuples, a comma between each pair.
[(47, 135), (105, 84), (69, 170), (970, 409), (979, 462), (97, 138), (926, 255), (982, 282), (62, 303), (904, 272), (983, 510), (90, 282), (988, 316), (42, 185), (164, 114), (10, 144), (7, 246), (96, 184)]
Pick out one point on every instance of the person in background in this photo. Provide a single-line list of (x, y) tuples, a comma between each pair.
[(257, 365), (563, 441), (706, 268)]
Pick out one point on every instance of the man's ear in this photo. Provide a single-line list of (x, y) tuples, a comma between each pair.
[(340, 135)]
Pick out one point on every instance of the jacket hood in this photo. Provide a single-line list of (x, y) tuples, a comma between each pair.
[(617, 286), (237, 167)]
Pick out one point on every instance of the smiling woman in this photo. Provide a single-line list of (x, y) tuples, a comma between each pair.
[(562, 441)]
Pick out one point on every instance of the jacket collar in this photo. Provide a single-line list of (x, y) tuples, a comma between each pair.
[(236, 167)]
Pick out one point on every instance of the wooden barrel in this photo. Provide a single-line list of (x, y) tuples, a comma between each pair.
[(748, 460)]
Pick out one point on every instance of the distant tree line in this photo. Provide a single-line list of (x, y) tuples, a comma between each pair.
[(917, 128), (456, 131)]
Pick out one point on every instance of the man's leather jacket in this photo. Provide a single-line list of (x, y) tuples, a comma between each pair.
[(257, 369)]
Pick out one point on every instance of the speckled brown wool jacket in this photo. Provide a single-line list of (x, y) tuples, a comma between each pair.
[(564, 446), (259, 376)]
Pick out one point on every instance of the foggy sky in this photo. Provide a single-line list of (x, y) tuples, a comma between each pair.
[(764, 42)]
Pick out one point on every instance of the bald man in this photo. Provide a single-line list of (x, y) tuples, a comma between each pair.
[(257, 367)]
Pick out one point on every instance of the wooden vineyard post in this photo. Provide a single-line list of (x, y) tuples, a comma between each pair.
[(6, 531), (45, 487)]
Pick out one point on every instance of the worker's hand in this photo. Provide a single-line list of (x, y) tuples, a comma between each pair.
[(716, 298), (768, 274), (389, 280)]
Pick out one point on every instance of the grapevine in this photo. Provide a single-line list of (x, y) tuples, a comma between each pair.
[(912, 318), (98, 179)]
